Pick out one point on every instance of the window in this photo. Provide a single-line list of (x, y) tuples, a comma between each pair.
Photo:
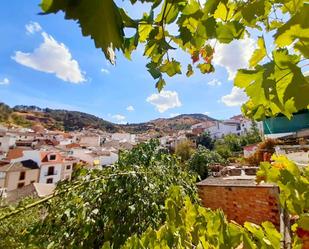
[(52, 157), (2, 175), (20, 185), (49, 180), (22, 175), (68, 167), (51, 171)]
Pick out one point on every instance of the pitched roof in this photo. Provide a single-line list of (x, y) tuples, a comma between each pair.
[(45, 157), (19, 166), (15, 153)]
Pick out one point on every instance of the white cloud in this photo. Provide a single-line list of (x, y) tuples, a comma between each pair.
[(236, 98), (119, 118), (234, 55), (206, 113), (5, 81), (164, 100), (33, 27), (52, 57), (214, 82), (105, 71), (130, 108), (174, 114)]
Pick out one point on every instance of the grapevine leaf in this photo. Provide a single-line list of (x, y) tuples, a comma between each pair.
[(153, 70), (211, 6), (296, 28), (108, 36), (259, 53), (226, 32), (144, 30), (254, 11), (189, 70), (160, 84), (206, 68), (192, 6), (171, 68), (221, 12)]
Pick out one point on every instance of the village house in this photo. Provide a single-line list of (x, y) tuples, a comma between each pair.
[(90, 140), (94, 157), (123, 137), (6, 142), (15, 175), (53, 166)]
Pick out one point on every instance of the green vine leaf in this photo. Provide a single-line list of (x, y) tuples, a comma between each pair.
[(259, 53), (108, 36)]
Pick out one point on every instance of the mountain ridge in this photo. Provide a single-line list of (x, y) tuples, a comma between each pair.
[(61, 119)]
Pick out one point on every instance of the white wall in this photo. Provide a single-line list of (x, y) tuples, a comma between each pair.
[(34, 155), (90, 140), (108, 160), (6, 143), (43, 173), (220, 129), (124, 137)]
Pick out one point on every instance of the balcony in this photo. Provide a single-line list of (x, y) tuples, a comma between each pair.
[(53, 173)]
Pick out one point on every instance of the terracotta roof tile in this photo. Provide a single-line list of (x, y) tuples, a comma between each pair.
[(15, 153)]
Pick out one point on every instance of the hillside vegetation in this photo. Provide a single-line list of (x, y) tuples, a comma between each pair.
[(64, 120)]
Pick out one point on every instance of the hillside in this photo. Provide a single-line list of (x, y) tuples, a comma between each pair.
[(165, 125), (28, 116)]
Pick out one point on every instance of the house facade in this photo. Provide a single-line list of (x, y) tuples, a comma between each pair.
[(18, 174)]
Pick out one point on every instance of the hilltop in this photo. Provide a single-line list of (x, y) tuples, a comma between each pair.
[(28, 116)]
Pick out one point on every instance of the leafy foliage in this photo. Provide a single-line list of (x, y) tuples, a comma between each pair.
[(13, 229), (294, 192), (276, 86), (5, 112), (184, 149), (114, 203), (205, 140), (107, 207), (202, 159), (231, 143), (192, 226)]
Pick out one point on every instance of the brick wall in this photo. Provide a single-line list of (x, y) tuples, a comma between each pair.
[(253, 203)]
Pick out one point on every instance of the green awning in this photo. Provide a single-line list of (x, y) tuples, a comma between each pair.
[(281, 124)]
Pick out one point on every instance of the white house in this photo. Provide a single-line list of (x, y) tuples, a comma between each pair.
[(53, 166), (90, 140), (95, 158), (124, 137), (220, 129), (6, 142)]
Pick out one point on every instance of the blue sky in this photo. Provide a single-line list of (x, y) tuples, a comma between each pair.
[(45, 61)]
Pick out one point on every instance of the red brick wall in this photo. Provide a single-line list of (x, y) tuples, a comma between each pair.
[(254, 204)]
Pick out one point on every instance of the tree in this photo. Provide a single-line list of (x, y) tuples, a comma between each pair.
[(253, 136), (184, 150), (14, 228), (112, 204), (205, 140), (201, 160), (276, 86)]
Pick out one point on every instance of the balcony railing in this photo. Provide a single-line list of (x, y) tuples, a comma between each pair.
[(54, 173)]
